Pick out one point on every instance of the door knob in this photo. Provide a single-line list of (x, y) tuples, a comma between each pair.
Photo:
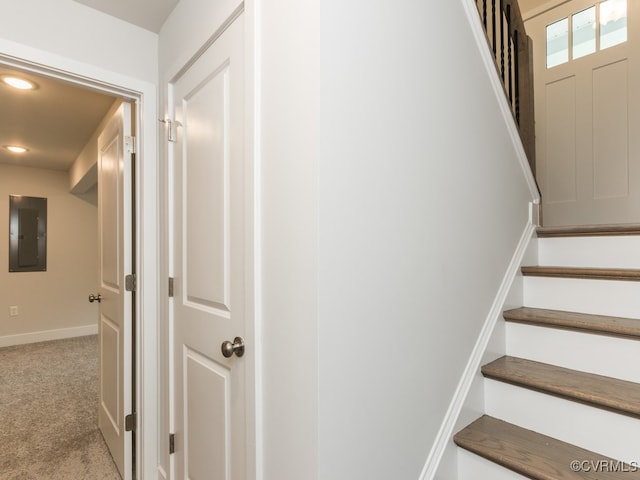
[(237, 347), (95, 298)]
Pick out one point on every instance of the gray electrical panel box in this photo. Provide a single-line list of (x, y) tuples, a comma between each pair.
[(27, 234)]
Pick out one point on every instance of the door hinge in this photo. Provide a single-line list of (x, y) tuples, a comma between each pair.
[(172, 129), (171, 282), (130, 422), (172, 443), (130, 283), (130, 144)]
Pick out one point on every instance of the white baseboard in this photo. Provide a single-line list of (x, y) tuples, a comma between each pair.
[(46, 335)]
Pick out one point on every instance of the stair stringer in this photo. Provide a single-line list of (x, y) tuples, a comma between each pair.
[(468, 401)]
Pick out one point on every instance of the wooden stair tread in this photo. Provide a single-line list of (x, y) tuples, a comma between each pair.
[(601, 324), (613, 394), (628, 274), (534, 455), (589, 230)]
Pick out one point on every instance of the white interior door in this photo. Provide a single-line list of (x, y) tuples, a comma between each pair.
[(587, 114), (209, 254), (115, 325)]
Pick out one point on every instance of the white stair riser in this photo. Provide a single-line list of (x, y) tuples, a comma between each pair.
[(603, 355), (475, 467), (595, 252), (600, 297), (607, 433)]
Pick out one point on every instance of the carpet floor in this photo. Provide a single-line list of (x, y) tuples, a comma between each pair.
[(49, 412)]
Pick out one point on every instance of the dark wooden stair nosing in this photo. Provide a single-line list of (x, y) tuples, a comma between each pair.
[(589, 230), (532, 454), (607, 393), (588, 273), (581, 322)]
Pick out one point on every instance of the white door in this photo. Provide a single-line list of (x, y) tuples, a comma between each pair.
[(115, 325), (587, 112), (210, 268)]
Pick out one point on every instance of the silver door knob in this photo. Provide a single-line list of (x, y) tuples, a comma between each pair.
[(95, 298), (237, 347)]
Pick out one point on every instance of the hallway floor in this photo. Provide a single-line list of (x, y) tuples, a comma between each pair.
[(49, 411)]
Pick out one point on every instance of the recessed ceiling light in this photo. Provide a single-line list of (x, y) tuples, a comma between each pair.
[(19, 83), (16, 148)]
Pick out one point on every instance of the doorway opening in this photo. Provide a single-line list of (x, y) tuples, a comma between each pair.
[(88, 83)]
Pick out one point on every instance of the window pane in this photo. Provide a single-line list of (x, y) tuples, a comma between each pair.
[(584, 32), (613, 23), (558, 43)]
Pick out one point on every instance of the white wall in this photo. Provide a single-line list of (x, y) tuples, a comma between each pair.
[(83, 174), (55, 300), (383, 251), (73, 30), (530, 8), (422, 203), (289, 52)]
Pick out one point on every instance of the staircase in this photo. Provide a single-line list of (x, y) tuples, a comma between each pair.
[(564, 402)]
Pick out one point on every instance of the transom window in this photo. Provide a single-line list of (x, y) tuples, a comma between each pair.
[(585, 32)]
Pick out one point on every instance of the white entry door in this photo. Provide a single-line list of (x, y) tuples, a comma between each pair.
[(210, 252), (115, 325), (587, 102)]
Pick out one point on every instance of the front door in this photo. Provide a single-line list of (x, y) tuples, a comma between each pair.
[(210, 248), (587, 93), (115, 324)]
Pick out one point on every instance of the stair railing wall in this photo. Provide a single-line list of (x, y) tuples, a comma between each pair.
[(512, 52)]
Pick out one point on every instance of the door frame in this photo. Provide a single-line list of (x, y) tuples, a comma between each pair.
[(143, 95)]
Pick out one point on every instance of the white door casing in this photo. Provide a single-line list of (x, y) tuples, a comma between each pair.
[(587, 113), (210, 248), (115, 324)]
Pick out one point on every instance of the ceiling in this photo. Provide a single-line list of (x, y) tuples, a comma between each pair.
[(56, 120), (148, 14)]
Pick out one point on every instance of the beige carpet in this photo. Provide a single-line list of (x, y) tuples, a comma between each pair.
[(48, 413)]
